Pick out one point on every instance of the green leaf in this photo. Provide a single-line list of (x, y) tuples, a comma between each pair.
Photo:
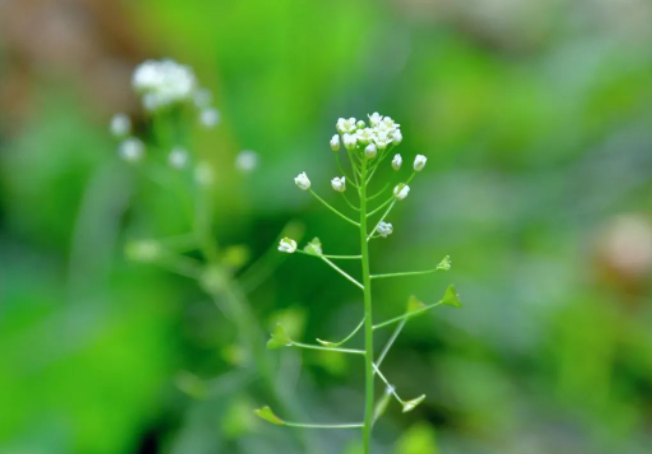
[(418, 439), (268, 415), (414, 304), (412, 404), (451, 298), (445, 264), (280, 338), (314, 247)]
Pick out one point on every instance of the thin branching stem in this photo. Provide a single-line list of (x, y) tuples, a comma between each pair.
[(391, 341), (405, 274), (372, 197), (389, 208), (342, 272), (407, 315), (381, 206), (323, 426), (346, 339), (334, 210), (330, 256), (351, 351)]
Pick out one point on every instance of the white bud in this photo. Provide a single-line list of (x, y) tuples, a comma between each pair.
[(370, 151), (360, 124), (350, 141), (120, 125), (287, 245), (335, 142), (246, 161), (178, 158), (209, 117), (401, 191), (385, 229), (204, 175), (131, 149), (419, 162), (339, 184), (302, 181), (397, 161), (397, 137)]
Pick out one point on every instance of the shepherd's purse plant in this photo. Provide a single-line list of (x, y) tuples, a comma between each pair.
[(367, 145)]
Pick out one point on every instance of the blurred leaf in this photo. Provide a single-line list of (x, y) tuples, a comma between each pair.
[(418, 439), (414, 304), (280, 338), (445, 264), (268, 415), (451, 298)]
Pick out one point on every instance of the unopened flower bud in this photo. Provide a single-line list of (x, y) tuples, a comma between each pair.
[(401, 191), (302, 181), (360, 124), (370, 151), (350, 141), (339, 184), (397, 162), (335, 142), (287, 245), (419, 162), (397, 137), (385, 229)]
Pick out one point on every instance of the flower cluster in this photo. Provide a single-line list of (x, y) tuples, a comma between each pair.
[(376, 135), (162, 83)]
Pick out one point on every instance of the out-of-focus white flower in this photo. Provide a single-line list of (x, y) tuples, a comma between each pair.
[(397, 161), (346, 126), (178, 158), (419, 162), (202, 98), (397, 137), (339, 184), (131, 149), (401, 191), (365, 135), (335, 142), (204, 175), (375, 119), (120, 125), (302, 181), (350, 141), (209, 117), (370, 151), (163, 83), (385, 229), (246, 161), (287, 245)]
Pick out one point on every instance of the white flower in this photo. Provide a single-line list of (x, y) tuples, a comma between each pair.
[(339, 184), (163, 82), (246, 161), (397, 137), (202, 98), (370, 151), (401, 191), (131, 149), (365, 135), (178, 158), (397, 162), (345, 126), (350, 141), (287, 245), (209, 117), (375, 119), (419, 162), (390, 124), (382, 139), (385, 229), (204, 175), (302, 181), (335, 142), (120, 125)]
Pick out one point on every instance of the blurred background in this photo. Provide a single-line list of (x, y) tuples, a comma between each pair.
[(536, 118)]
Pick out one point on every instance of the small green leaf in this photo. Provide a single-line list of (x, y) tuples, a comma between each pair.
[(314, 247), (445, 264), (414, 304), (268, 415), (279, 339), (451, 298), (412, 404)]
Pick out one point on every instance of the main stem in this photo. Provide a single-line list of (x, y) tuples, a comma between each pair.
[(368, 323)]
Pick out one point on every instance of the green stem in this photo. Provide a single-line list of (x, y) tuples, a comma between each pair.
[(330, 207), (328, 349), (368, 322)]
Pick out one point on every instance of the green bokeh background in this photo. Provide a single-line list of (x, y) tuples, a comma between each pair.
[(536, 118)]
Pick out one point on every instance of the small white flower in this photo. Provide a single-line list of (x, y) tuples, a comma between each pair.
[(120, 125), (131, 149), (178, 158), (385, 229), (287, 245), (397, 162), (202, 98), (209, 117), (302, 181), (419, 162), (204, 175), (397, 137), (346, 126), (339, 184), (365, 135), (382, 139), (350, 141), (390, 124), (163, 82), (401, 191), (370, 151), (246, 161), (375, 119), (335, 142)]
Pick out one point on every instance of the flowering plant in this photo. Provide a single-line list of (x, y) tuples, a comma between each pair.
[(367, 145)]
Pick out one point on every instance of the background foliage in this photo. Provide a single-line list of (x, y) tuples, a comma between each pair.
[(536, 120)]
